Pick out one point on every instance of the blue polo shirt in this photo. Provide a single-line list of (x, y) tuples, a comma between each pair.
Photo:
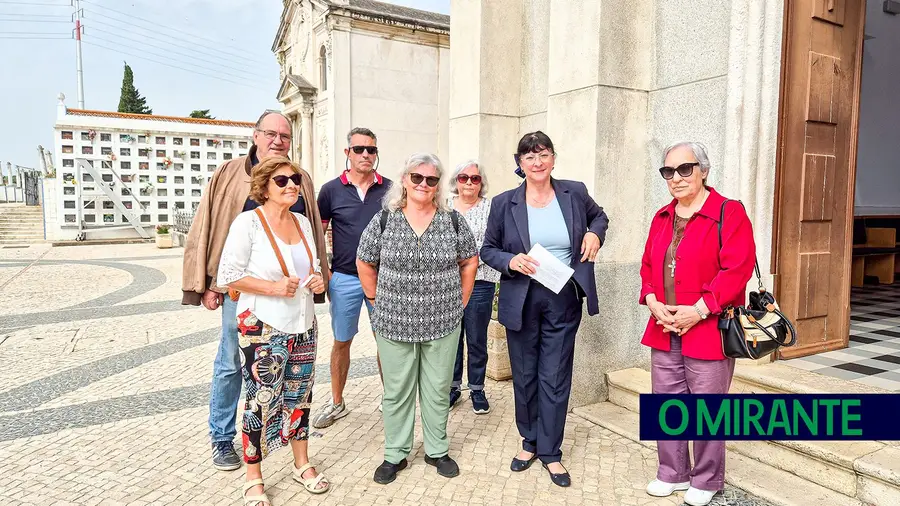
[(340, 204)]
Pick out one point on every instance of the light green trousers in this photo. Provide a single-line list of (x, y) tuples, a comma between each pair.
[(426, 369)]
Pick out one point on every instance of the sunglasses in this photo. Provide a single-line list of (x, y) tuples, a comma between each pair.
[(372, 150), (417, 178), (281, 181), (683, 170), (465, 178)]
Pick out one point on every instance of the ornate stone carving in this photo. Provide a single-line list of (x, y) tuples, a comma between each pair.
[(323, 151), (328, 57)]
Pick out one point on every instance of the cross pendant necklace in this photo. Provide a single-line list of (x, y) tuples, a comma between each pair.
[(672, 266)]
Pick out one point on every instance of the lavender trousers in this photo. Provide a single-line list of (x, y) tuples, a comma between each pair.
[(673, 373)]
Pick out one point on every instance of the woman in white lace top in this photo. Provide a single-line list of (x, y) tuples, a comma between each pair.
[(469, 186), (269, 262)]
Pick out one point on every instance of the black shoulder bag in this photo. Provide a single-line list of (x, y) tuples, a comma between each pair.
[(755, 330)]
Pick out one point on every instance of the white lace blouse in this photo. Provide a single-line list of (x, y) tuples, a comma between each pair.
[(248, 252)]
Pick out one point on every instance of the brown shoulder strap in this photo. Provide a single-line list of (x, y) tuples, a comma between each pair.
[(265, 224), (305, 244)]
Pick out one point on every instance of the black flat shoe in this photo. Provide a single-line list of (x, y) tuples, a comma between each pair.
[(387, 472), (561, 479), (518, 465), (446, 466)]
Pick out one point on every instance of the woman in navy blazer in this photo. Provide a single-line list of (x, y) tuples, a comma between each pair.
[(540, 324)]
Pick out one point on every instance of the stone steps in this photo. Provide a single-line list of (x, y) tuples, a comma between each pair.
[(806, 472), (21, 224)]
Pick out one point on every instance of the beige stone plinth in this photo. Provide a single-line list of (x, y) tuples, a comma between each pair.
[(498, 367)]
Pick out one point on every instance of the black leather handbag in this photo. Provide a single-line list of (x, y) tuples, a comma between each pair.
[(757, 329)]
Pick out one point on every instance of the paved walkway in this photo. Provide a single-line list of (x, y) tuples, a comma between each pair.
[(104, 390)]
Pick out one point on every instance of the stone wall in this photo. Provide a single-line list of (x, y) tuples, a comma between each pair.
[(613, 82)]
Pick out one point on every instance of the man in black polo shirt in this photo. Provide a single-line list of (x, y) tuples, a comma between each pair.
[(349, 202)]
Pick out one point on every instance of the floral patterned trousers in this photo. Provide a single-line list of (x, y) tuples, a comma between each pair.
[(278, 371)]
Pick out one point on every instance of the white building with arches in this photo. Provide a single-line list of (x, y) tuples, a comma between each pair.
[(350, 63)]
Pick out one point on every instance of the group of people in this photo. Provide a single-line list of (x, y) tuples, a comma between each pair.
[(427, 267)]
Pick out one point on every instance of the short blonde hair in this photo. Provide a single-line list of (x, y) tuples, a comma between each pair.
[(260, 175)]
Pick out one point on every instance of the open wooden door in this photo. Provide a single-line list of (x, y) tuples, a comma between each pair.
[(816, 168)]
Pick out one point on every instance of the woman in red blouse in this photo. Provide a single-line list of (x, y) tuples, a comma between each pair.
[(686, 281)]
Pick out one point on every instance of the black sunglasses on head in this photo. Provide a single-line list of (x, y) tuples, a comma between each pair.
[(683, 170), (372, 150), (417, 178), (281, 181)]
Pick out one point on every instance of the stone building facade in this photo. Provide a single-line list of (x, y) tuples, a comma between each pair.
[(349, 63)]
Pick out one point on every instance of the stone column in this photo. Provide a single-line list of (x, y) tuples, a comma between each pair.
[(751, 120), (484, 86), (307, 159)]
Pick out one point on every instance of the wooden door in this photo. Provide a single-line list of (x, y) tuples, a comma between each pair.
[(816, 167)]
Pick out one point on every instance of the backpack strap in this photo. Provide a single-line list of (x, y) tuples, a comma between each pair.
[(384, 218), (265, 224)]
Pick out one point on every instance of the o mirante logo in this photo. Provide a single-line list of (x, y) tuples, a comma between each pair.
[(769, 417)]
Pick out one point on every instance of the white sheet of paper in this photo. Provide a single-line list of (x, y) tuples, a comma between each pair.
[(551, 273)]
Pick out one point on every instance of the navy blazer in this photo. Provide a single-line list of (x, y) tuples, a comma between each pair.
[(507, 235)]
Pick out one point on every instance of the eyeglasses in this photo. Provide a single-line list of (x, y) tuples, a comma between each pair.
[(417, 178), (272, 134), (372, 150), (532, 158), (683, 170), (465, 178), (281, 181)]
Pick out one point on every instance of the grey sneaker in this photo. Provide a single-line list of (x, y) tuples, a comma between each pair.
[(330, 413), (224, 456)]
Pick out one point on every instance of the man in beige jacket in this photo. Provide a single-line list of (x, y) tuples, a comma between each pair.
[(224, 198)]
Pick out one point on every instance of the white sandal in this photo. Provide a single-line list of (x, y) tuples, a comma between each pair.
[(310, 484), (254, 500)]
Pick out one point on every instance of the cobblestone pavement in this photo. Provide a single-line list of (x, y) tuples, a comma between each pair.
[(104, 391)]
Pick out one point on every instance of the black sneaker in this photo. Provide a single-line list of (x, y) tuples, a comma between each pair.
[(446, 466), (224, 456), (455, 394), (387, 472), (480, 404)]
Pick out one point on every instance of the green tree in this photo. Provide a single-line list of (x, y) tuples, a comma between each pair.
[(131, 100), (201, 114)]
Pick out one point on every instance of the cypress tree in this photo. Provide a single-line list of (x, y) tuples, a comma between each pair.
[(130, 99)]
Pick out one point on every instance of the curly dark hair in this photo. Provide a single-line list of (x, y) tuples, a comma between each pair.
[(259, 177)]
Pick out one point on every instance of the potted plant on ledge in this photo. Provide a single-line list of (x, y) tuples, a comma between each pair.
[(163, 237)]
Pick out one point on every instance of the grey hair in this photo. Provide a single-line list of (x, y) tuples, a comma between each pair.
[(272, 111), (463, 166), (361, 131), (395, 199), (699, 151)]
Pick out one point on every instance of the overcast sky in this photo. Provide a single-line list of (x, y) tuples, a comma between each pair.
[(197, 35)]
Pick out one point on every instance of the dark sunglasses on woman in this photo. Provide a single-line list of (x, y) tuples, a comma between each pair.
[(372, 150), (683, 170), (281, 181), (464, 178), (417, 178)]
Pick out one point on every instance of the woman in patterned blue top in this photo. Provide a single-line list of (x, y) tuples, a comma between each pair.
[(417, 261)]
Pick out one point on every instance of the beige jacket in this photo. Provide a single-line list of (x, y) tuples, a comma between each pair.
[(224, 199)]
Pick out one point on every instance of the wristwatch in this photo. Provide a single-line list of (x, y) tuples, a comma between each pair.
[(702, 315)]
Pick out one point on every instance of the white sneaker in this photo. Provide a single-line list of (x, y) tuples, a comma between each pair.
[(697, 497), (659, 488)]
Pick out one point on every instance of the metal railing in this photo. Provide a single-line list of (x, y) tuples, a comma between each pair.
[(19, 184), (183, 220)]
